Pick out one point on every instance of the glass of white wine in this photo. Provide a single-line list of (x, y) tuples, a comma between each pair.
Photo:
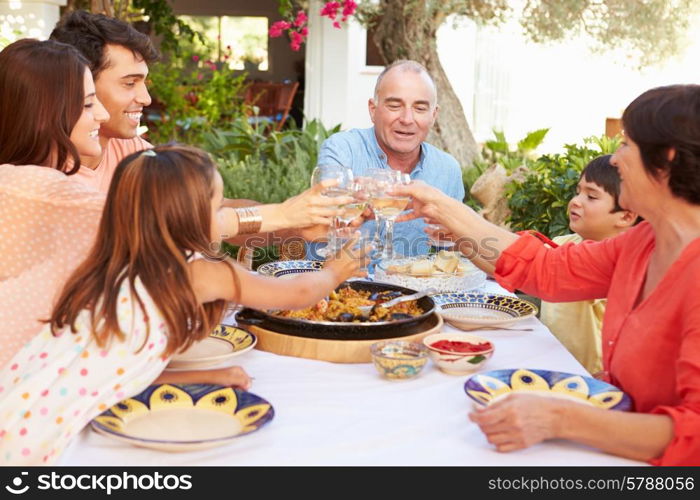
[(351, 211), (344, 187), (386, 205)]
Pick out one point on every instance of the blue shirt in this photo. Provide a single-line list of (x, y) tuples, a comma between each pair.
[(359, 150)]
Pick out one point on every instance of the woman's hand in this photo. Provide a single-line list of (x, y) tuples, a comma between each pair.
[(311, 207), (346, 263), (426, 201), (319, 232), (519, 421)]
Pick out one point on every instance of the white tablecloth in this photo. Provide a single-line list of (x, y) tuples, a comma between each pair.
[(346, 414)]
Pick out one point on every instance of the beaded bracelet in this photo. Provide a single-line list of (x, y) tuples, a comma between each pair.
[(249, 220)]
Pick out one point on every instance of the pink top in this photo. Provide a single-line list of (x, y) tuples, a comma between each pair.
[(651, 351), (48, 222), (115, 150)]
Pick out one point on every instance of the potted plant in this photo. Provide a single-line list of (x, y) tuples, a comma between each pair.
[(251, 62)]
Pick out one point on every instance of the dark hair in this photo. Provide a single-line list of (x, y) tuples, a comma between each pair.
[(89, 33), (156, 217), (668, 118), (599, 171), (42, 94)]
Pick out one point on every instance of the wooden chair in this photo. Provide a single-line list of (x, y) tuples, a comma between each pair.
[(274, 100)]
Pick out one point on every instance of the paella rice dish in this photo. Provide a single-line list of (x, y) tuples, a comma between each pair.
[(343, 306)]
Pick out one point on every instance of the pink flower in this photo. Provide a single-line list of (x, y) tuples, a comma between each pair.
[(195, 58), (300, 19), (304, 31), (199, 76), (330, 10), (336, 24), (297, 40), (349, 8), (278, 28)]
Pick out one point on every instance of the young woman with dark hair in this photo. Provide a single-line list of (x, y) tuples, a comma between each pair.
[(50, 117), (35, 127)]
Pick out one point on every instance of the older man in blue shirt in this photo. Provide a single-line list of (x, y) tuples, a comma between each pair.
[(403, 110)]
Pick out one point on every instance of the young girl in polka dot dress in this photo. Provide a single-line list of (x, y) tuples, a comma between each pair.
[(139, 297)]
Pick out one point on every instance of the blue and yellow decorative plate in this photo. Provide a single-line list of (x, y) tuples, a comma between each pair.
[(224, 343), (486, 387), (288, 268), (184, 417), (470, 311)]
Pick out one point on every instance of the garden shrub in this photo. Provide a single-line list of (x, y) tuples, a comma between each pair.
[(540, 201)]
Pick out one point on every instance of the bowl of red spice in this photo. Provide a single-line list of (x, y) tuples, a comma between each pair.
[(458, 353)]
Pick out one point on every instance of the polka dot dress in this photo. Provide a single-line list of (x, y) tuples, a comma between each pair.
[(54, 386), (48, 223)]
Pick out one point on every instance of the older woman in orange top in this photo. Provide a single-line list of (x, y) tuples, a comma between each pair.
[(650, 275)]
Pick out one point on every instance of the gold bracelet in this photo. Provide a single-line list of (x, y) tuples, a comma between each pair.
[(249, 220)]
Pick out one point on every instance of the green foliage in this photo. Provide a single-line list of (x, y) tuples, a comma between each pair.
[(499, 151), (262, 165), (166, 24), (265, 166), (540, 201), (647, 32), (158, 14), (191, 96)]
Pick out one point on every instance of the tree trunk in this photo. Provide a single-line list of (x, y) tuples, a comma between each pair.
[(407, 30)]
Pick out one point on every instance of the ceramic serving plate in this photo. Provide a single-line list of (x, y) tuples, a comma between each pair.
[(184, 417), (289, 268), (470, 311), (224, 343), (487, 387)]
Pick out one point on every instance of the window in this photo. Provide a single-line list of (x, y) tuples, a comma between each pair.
[(240, 41)]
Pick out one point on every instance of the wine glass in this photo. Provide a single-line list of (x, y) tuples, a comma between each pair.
[(437, 243), (351, 211), (344, 187), (386, 205)]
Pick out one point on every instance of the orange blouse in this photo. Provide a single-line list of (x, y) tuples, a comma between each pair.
[(48, 223), (651, 351)]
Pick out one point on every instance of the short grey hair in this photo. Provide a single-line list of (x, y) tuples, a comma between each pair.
[(404, 65)]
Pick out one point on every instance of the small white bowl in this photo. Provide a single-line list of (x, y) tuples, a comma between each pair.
[(458, 363), (399, 359)]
